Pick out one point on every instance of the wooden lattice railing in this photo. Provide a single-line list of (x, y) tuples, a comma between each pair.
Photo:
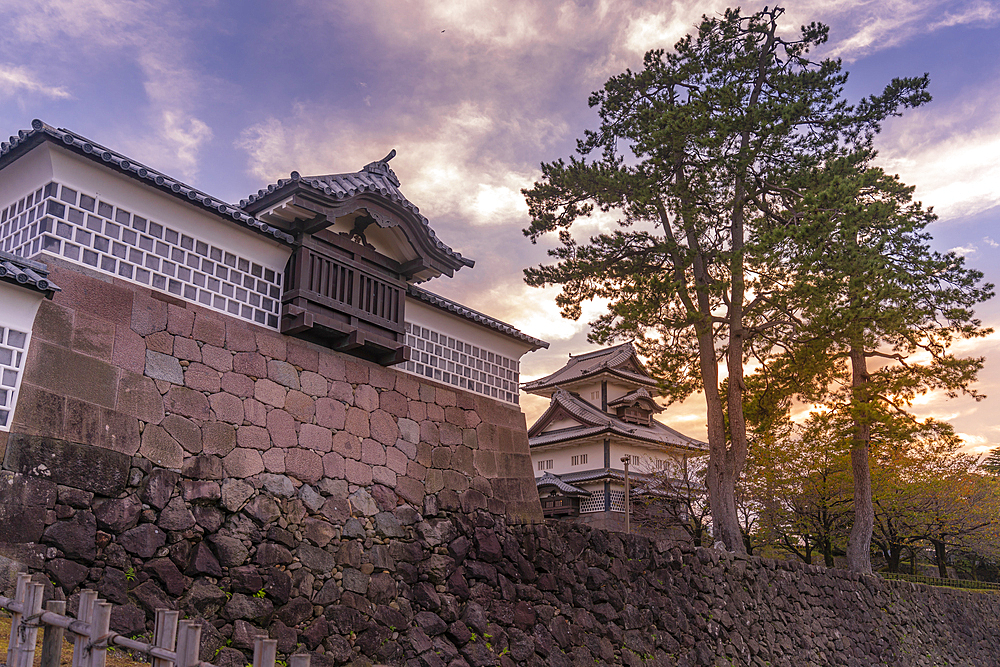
[(175, 641)]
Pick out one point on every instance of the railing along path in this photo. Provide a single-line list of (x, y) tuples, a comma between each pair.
[(175, 641)]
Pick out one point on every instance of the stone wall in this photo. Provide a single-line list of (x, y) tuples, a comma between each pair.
[(170, 458)]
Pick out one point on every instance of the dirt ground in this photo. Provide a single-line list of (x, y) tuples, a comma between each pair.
[(116, 657)]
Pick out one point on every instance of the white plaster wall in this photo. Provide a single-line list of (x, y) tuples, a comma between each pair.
[(91, 178), (25, 175), (18, 307), (418, 312)]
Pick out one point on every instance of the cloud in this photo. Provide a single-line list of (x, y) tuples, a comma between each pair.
[(990, 242), (967, 249), (83, 36), (14, 79)]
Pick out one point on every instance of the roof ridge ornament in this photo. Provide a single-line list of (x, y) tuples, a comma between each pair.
[(381, 167)]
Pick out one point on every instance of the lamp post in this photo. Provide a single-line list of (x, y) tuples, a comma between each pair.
[(628, 508)]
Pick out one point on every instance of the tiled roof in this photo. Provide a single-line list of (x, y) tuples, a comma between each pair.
[(28, 273), (139, 171), (473, 315), (375, 177), (594, 421), (631, 398), (608, 360), (548, 479)]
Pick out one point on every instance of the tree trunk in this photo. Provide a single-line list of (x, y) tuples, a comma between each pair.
[(828, 552), (895, 554), (859, 557), (941, 557)]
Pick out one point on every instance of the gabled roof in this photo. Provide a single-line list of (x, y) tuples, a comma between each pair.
[(640, 395), (593, 421), (25, 140), (26, 273), (375, 178), (473, 315), (619, 361), (548, 479)]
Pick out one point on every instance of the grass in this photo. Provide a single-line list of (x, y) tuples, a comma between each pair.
[(116, 657)]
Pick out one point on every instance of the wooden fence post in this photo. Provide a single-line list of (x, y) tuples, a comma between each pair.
[(298, 660), (52, 640), (85, 613), (165, 634), (188, 643), (100, 624), (264, 652), (15, 618), (27, 630)]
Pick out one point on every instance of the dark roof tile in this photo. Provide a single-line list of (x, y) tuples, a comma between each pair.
[(27, 273)]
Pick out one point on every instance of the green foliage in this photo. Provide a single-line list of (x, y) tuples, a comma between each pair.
[(260, 593), (694, 159)]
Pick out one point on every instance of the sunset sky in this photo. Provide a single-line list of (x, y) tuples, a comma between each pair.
[(473, 95)]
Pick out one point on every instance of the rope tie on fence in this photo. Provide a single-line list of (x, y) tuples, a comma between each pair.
[(104, 641), (27, 623)]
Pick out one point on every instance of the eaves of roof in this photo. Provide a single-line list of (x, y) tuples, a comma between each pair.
[(548, 479), (26, 273), (474, 316), (590, 365), (26, 139), (596, 422), (374, 178)]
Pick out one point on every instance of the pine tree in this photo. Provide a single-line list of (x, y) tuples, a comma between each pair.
[(694, 153)]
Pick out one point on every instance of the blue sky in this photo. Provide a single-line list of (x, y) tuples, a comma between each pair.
[(473, 95)]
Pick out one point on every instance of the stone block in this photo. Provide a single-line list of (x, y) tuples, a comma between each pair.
[(283, 373), (93, 336), (187, 349), (188, 403), (357, 472), (274, 460), (281, 427), (315, 438), (253, 437), (408, 386), (396, 460), (334, 466), (313, 384), (251, 364), (372, 452), (176, 516), (237, 384), (304, 465), (119, 432), (430, 433), (92, 295), (117, 515), (130, 350), (383, 475), (254, 412), (71, 374), (356, 422), (202, 378), (160, 448), (196, 490), (300, 405), (180, 320), (332, 367), (139, 398), (394, 403), (75, 537), (227, 408), (161, 342), (331, 413), (355, 371), (383, 427), (39, 412), (53, 323), (271, 344), (83, 421), (435, 413), (242, 463), (218, 439), (302, 354), (342, 391), (235, 493), (270, 393), (416, 471), (164, 367), (184, 431), (366, 398), (410, 490), (240, 336), (94, 469), (209, 328), (347, 445), (23, 504)]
